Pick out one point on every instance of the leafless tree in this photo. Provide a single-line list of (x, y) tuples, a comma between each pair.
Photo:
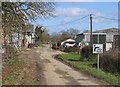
[(17, 15)]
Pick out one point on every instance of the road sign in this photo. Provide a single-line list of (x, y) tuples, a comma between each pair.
[(97, 48)]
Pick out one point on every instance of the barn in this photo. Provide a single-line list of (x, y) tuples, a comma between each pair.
[(107, 37)]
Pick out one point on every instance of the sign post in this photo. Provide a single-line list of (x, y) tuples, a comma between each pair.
[(98, 63), (98, 49)]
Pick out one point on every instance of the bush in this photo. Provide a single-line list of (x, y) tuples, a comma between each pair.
[(72, 49), (9, 51), (86, 52), (110, 61), (56, 46)]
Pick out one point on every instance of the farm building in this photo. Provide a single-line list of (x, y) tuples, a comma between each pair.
[(107, 37), (116, 41), (79, 38), (30, 36), (111, 36)]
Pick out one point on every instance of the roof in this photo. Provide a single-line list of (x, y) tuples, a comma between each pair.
[(110, 30), (114, 31), (69, 40), (95, 33), (80, 34)]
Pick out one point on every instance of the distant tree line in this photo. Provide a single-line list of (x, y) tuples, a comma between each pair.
[(41, 35), (63, 35)]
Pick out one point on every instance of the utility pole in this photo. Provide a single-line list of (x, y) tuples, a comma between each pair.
[(91, 36)]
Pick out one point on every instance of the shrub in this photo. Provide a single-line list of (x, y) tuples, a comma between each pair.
[(9, 51), (55, 45), (86, 52), (72, 49), (110, 61)]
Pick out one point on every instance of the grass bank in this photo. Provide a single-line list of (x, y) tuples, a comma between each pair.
[(87, 66), (11, 70), (42, 45)]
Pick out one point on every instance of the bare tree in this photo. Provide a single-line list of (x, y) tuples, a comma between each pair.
[(55, 37), (45, 36), (86, 31), (64, 35), (17, 15), (73, 32)]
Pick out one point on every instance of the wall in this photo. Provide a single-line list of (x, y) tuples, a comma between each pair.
[(109, 46)]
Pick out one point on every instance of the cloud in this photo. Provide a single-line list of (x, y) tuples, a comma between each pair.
[(70, 13), (67, 19), (98, 18), (61, 0), (77, 0), (76, 12)]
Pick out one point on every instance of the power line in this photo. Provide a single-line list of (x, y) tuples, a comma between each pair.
[(81, 20), (77, 19), (67, 22), (107, 18)]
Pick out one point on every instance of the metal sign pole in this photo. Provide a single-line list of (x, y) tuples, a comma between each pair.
[(98, 63)]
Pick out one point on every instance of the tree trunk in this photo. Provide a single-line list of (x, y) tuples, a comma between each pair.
[(24, 39), (18, 44), (5, 43)]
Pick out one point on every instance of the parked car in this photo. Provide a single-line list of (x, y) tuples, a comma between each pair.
[(55, 45), (30, 45), (69, 44)]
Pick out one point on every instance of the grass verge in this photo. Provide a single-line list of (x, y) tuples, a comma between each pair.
[(42, 45), (73, 60), (11, 70)]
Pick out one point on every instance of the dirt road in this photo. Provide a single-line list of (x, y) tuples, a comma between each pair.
[(45, 70)]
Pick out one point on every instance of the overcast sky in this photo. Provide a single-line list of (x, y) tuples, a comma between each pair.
[(67, 12)]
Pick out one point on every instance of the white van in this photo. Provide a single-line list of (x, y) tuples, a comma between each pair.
[(70, 43)]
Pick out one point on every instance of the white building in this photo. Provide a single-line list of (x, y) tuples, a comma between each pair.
[(105, 37), (110, 34), (30, 35)]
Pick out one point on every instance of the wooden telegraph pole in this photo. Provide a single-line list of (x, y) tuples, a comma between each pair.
[(91, 36)]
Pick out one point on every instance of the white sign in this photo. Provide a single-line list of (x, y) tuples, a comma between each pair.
[(97, 48)]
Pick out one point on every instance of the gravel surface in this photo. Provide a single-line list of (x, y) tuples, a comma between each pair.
[(42, 69)]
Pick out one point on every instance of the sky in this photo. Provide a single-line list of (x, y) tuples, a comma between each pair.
[(77, 15)]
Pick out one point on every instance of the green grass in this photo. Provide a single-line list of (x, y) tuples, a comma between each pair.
[(9, 80), (0, 82), (86, 66), (13, 65), (13, 61), (42, 45), (71, 56)]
